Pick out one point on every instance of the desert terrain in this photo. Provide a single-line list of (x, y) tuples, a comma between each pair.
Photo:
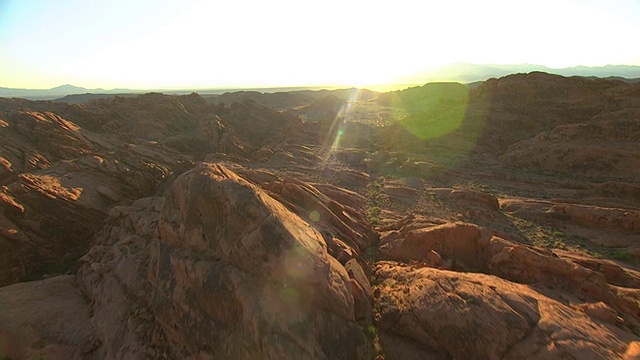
[(445, 221)]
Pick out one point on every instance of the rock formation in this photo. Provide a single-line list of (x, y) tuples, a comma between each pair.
[(173, 227)]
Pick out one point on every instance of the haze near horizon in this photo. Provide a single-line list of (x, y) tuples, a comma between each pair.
[(207, 44)]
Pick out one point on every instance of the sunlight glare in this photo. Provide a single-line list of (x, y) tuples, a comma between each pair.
[(204, 44)]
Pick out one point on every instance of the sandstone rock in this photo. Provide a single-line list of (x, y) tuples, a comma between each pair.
[(5, 168), (620, 191), (259, 126), (469, 201), (82, 192), (448, 240), (113, 275), (633, 352), (466, 247), (46, 319), (108, 194), (463, 315), (237, 273), (621, 220), (262, 154), (613, 273), (62, 170), (404, 194), (33, 139), (351, 179), (352, 156), (397, 347), (599, 311), (323, 110), (596, 148), (609, 226), (433, 259), (342, 218), (419, 168), (521, 106), (278, 101)]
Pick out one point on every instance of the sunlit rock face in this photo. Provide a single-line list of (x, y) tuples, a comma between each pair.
[(460, 291), (607, 144), (59, 180), (521, 106), (427, 313), (63, 167), (237, 275)]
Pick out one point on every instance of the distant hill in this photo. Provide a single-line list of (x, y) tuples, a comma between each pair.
[(278, 97), (82, 98), (426, 96), (469, 73), (284, 100), (56, 92), (277, 100)]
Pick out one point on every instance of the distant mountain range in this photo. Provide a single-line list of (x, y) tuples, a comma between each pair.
[(74, 94), (468, 73), (457, 72), (56, 92)]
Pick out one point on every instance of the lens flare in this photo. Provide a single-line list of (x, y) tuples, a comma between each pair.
[(289, 295), (338, 127), (298, 263), (314, 216), (433, 110)]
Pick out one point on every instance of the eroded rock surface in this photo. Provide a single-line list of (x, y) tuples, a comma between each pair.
[(499, 221), (477, 316), (220, 269), (46, 319), (237, 273)]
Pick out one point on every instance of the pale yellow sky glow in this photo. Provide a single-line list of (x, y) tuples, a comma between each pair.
[(218, 44)]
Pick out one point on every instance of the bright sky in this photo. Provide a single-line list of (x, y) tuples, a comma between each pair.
[(259, 43)]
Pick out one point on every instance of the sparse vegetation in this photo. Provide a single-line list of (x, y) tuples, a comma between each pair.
[(470, 299), (371, 332), (374, 200), (621, 254), (371, 255), (548, 237)]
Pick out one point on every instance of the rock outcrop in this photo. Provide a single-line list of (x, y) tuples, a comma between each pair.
[(605, 146), (237, 274), (422, 299), (519, 107), (62, 162), (219, 268), (48, 319), (445, 314), (66, 172)]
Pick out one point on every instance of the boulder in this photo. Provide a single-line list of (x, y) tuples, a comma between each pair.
[(445, 314), (467, 247), (235, 274), (47, 319)]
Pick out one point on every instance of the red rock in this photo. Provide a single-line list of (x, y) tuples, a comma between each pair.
[(433, 259), (257, 263), (460, 315)]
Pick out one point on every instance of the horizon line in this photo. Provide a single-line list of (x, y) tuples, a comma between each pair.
[(403, 82)]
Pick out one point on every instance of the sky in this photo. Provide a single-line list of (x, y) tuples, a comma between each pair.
[(179, 44)]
